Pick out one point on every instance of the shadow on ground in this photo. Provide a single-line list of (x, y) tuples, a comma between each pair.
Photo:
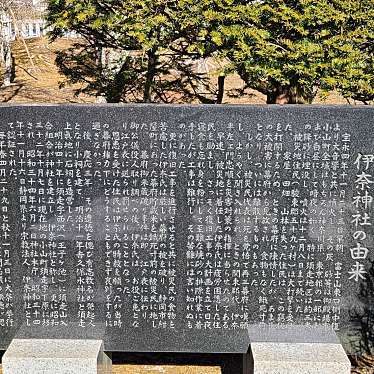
[(229, 363)]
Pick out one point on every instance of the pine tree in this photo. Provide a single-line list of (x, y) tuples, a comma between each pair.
[(289, 50), (133, 51)]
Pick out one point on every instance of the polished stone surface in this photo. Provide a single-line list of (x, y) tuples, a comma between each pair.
[(56, 356), (170, 228)]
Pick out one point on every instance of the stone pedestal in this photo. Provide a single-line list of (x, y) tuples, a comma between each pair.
[(299, 358), (56, 356), (296, 349)]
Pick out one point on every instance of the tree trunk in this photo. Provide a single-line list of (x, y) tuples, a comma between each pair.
[(19, 34), (288, 95), (115, 91), (275, 92), (150, 76), (8, 68), (221, 89)]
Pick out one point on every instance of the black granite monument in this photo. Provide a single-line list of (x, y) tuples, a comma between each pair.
[(174, 228)]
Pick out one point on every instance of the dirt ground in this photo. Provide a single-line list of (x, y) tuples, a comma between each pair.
[(149, 369), (39, 83), (38, 80), (191, 369), (164, 369)]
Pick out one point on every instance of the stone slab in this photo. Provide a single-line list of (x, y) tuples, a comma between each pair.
[(299, 358), (56, 356), (173, 227)]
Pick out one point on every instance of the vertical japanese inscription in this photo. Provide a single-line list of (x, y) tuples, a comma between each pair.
[(139, 179), (176, 225), (44, 188), (267, 224), (361, 218), (7, 146)]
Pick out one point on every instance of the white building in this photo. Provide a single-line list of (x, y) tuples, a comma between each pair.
[(30, 21)]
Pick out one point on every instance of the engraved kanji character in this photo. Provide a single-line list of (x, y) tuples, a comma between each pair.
[(359, 252), (367, 160), (362, 220), (366, 200), (357, 271), (359, 235), (363, 180)]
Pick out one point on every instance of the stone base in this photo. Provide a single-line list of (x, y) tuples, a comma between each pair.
[(299, 358), (56, 356)]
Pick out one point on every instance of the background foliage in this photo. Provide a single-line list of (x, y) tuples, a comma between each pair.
[(148, 50)]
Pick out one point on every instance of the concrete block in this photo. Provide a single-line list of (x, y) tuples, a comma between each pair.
[(299, 358), (56, 356)]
